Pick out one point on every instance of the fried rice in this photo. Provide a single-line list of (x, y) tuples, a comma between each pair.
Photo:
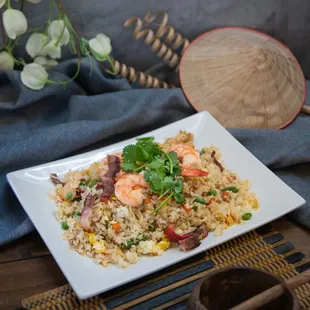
[(120, 234)]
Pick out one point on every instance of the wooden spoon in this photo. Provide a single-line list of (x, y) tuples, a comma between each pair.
[(274, 292)]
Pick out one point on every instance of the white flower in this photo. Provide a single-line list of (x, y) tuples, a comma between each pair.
[(6, 61), (34, 76), (15, 23), (100, 46), (34, 1), (35, 44), (58, 31), (2, 2), (52, 49), (46, 63)]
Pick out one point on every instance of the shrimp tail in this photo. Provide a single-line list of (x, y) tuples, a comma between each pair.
[(188, 172)]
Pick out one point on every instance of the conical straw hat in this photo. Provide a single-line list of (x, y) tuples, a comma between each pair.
[(244, 78)]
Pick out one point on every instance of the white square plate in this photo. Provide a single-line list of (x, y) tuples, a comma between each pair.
[(32, 186)]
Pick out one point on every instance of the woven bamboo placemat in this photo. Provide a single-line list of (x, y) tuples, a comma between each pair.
[(264, 249)]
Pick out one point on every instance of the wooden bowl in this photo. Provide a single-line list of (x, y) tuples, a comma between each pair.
[(243, 77), (228, 287)]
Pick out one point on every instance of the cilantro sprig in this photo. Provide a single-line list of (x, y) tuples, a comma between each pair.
[(161, 170)]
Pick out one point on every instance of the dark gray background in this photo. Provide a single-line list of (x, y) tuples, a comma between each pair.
[(287, 20)]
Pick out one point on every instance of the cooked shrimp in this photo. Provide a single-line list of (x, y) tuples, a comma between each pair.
[(187, 172), (129, 189), (191, 163), (188, 156)]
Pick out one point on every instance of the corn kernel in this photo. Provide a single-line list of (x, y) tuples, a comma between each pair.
[(87, 171), (229, 221), (91, 237), (255, 204), (219, 216), (114, 198), (195, 179), (163, 245)]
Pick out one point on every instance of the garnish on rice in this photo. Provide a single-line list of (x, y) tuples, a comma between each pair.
[(161, 170)]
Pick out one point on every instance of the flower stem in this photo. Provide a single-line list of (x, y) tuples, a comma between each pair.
[(111, 62), (22, 4), (73, 78), (162, 204), (61, 34), (50, 14)]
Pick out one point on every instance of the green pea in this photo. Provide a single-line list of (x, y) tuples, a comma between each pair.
[(92, 183), (127, 245), (233, 189), (69, 196), (83, 183), (76, 214), (212, 192), (195, 208), (247, 216), (200, 200), (64, 225)]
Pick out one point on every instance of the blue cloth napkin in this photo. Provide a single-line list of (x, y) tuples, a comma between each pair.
[(95, 110)]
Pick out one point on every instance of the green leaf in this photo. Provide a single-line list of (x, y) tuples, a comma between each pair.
[(174, 158), (128, 166), (178, 186), (176, 171), (146, 139), (130, 153), (154, 179), (167, 183), (141, 154), (156, 163), (179, 197)]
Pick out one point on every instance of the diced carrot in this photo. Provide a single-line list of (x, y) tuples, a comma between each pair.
[(187, 209), (116, 227), (229, 180), (136, 187), (163, 198), (211, 200), (148, 200), (225, 196)]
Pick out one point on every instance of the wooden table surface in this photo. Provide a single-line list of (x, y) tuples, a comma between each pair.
[(27, 267)]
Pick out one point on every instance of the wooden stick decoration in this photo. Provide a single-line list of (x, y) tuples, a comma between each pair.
[(274, 292), (305, 109), (158, 47), (144, 80), (171, 37)]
